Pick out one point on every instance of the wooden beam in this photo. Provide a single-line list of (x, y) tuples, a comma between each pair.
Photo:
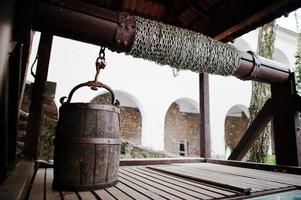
[(98, 26), (259, 166), (254, 67), (36, 107), (286, 124), (256, 20), (138, 161), (204, 115), (158, 161), (262, 119), (82, 22)]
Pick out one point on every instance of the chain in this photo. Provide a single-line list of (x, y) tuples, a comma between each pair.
[(182, 49), (102, 53), (100, 63)]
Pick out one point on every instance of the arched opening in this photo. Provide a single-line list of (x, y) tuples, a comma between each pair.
[(130, 115), (236, 123), (280, 56), (182, 128)]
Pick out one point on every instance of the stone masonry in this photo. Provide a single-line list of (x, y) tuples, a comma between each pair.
[(130, 119), (180, 126), (234, 129)]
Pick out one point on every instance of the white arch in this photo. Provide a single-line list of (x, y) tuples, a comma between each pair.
[(129, 100), (172, 138), (242, 44), (188, 105), (234, 111), (125, 99), (280, 56), (237, 109)]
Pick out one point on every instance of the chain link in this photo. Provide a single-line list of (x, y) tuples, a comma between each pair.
[(182, 49), (100, 63), (101, 53)]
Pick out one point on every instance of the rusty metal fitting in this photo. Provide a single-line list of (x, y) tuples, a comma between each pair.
[(253, 74), (125, 32)]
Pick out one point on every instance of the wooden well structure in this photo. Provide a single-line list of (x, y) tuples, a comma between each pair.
[(109, 23)]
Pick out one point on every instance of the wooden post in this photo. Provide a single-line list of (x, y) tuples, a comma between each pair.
[(36, 106), (4, 126), (24, 35), (7, 8), (14, 84), (285, 119), (204, 115)]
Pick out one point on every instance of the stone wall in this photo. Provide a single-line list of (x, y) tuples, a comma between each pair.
[(46, 145), (130, 120), (180, 126), (234, 129), (131, 124)]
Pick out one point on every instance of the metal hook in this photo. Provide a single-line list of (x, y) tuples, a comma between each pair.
[(100, 63)]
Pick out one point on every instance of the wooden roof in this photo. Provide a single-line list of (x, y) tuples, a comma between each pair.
[(220, 19)]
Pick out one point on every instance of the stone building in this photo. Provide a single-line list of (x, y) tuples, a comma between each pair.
[(159, 110)]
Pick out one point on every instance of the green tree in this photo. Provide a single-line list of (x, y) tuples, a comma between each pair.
[(261, 92)]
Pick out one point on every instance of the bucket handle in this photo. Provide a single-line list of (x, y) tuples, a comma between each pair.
[(93, 85)]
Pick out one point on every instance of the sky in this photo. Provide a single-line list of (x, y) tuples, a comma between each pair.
[(290, 21)]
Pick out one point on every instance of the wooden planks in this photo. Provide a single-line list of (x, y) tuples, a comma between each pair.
[(204, 177), (254, 183), (275, 177), (134, 183), (189, 184), (50, 194), (18, 182), (257, 180), (166, 187), (240, 179), (176, 182), (37, 190), (135, 194)]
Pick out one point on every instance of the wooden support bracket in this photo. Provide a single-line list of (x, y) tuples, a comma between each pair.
[(283, 108), (262, 119)]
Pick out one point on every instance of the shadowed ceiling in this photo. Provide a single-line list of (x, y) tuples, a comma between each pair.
[(221, 19)]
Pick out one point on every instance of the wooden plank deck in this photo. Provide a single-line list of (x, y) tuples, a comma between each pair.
[(175, 181)]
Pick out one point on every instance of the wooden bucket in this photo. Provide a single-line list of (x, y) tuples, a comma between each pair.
[(87, 145)]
